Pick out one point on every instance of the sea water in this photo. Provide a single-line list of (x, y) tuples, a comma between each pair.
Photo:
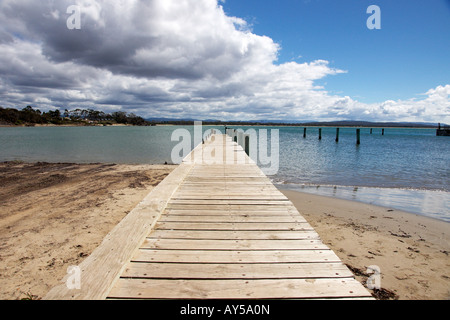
[(407, 169)]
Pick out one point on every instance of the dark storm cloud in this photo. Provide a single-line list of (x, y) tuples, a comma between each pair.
[(176, 58), (133, 40)]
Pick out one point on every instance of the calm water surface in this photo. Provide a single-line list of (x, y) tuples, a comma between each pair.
[(406, 169)]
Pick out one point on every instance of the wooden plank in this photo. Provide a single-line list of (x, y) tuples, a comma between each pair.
[(231, 218), (232, 226), (233, 202), (196, 181), (228, 184), (223, 166), (241, 182), (207, 183), (212, 190), (242, 245), (227, 196), (238, 289), (226, 176), (221, 212), (236, 271), (243, 235), (228, 170), (225, 189), (227, 192), (202, 256), (246, 180), (234, 207)]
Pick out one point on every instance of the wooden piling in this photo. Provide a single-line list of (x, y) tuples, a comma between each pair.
[(337, 134), (304, 132), (320, 133), (358, 136), (240, 139), (247, 144), (382, 132)]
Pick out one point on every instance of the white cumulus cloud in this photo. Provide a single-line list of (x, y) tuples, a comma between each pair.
[(175, 58)]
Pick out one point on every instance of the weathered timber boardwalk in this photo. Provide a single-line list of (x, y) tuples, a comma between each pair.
[(216, 228)]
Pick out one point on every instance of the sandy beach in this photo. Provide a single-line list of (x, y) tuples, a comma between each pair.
[(411, 251), (54, 215)]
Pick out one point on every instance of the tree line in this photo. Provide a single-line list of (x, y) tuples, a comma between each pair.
[(30, 116)]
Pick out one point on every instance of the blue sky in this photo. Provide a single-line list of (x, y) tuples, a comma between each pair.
[(407, 57), (304, 60)]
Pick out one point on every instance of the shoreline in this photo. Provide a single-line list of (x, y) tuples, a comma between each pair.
[(411, 250), (37, 125), (218, 125), (424, 202)]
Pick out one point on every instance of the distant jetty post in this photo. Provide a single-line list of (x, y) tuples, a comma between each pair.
[(442, 131), (247, 144)]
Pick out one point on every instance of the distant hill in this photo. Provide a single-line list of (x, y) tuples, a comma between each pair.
[(352, 123), (30, 116), (343, 123), (160, 120)]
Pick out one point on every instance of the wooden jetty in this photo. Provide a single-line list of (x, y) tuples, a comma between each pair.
[(215, 228), (443, 131)]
